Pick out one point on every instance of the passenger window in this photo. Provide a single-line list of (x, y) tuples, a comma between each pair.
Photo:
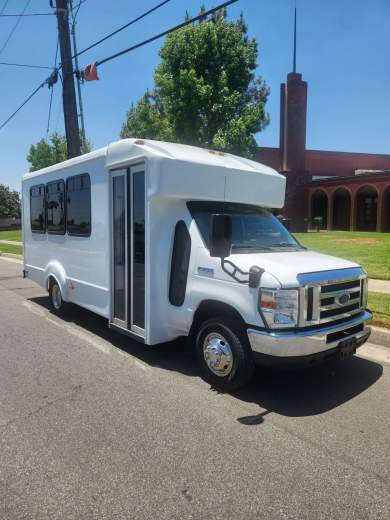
[(179, 266), (55, 208), (78, 209), (37, 209)]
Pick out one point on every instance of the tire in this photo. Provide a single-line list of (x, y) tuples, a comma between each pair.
[(57, 304), (224, 354)]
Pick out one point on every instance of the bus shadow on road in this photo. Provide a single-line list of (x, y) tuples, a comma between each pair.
[(310, 391), (175, 356), (292, 393)]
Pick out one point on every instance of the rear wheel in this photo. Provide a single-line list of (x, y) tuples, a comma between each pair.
[(224, 354), (57, 303)]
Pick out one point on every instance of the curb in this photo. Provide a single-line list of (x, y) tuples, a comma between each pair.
[(380, 336), (11, 255)]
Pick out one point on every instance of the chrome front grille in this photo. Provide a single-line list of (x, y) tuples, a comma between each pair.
[(334, 295), (337, 299)]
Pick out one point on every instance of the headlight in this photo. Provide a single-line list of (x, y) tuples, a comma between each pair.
[(279, 307)]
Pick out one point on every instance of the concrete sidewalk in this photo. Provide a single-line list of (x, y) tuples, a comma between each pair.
[(11, 242), (379, 286)]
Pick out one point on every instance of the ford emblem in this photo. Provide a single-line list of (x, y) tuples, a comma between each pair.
[(343, 299)]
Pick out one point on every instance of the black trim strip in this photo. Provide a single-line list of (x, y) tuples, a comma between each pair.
[(126, 332)]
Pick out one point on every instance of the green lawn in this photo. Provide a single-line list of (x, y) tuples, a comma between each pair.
[(379, 304), (11, 235), (8, 248), (371, 250)]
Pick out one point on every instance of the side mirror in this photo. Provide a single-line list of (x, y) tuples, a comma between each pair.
[(220, 236), (255, 274)]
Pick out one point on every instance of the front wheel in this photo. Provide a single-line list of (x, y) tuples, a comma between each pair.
[(224, 354)]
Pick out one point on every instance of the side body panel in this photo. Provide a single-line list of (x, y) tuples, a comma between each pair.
[(166, 321), (81, 265)]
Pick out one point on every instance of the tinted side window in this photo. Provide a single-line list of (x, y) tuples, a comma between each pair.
[(37, 209), (78, 209), (179, 266), (55, 196)]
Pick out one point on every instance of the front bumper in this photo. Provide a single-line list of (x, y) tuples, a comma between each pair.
[(303, 343)]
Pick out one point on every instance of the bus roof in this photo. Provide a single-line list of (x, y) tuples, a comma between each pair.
[(119, 152)]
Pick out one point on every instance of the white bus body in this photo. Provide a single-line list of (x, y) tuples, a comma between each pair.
[(122, 232)]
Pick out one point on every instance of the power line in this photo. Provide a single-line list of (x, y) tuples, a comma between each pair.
[(165, 33), (143, 15), (14, 27), (77, 8), (109, 58), (24, 103), (25, 14), (4, 6), (51, 92), (24, 65), (78, 77)]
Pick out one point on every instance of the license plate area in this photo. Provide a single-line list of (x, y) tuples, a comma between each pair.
[(347, 348)]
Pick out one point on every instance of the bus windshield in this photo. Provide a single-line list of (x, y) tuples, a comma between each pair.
[(253, 228)]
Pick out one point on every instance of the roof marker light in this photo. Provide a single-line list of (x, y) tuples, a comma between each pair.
[(215, 152), (139, 141)]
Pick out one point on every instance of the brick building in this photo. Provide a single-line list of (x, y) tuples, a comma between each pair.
[(350, 191)]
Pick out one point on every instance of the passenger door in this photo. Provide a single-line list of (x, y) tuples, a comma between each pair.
[(128, 249)]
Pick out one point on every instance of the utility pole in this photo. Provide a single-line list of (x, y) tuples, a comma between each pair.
[(68, 91), (76, 62)]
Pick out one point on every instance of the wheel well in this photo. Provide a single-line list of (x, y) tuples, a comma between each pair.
[(212, 308), (50, 282)]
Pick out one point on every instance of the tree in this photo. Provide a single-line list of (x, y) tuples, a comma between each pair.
[(206, 92), (9, 203), (45, 153)]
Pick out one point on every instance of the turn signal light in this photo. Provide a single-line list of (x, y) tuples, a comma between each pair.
[(269, 304)]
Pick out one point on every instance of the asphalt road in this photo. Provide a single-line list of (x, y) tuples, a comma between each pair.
[(93, 425)]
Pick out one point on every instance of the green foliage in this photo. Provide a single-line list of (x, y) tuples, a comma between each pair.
[(9, 203), (206, 93), (45, 153), (14, 235), (8, 248), (379, 304)]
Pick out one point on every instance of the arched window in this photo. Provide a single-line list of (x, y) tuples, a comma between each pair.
[(341, 209), (386, 210), (319, 209), (366, 208)]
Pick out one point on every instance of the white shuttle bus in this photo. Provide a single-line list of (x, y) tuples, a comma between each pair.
[(167, 240)]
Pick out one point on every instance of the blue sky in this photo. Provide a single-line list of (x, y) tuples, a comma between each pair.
[(343, 53)]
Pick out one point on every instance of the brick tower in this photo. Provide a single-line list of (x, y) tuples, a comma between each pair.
[(293, 107)]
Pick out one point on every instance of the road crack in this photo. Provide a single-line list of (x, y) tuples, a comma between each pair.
[(68, 396)]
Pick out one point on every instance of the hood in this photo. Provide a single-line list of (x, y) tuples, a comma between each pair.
[(287, 265)]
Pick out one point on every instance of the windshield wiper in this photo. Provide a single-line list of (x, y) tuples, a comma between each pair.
[(285, 244), (252, 246)]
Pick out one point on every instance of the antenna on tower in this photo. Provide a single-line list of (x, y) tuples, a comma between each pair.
[(295, 41)]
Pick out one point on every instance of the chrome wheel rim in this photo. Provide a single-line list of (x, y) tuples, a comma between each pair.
[(56, 297), (218, 354)]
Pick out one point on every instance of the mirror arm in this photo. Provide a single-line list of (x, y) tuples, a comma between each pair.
[(233, 274), (236, 270)]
